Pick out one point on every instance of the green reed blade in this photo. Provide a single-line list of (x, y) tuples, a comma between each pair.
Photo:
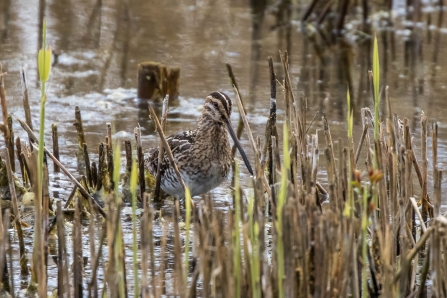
[(279, 208), (133, 191), (376, 81), (349, 115)]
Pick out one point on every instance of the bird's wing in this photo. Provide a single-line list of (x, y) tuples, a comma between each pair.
[(178, 143)]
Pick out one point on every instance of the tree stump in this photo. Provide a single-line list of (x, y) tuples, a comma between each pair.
[(155, 81)]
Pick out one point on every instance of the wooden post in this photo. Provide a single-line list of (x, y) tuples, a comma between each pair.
[(173, 82), (152, 80)]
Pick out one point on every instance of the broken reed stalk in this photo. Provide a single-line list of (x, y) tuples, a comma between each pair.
[(16, 212), (128, 148), (178, 270), (161, 150), (80, 130), (84, 192), (95, 264), (145, 239), (101, 169), (240, 124), (271, 128), (133, 190), (11, 267), (6, 128), (67, 203), (93, 285), (88, 170), (167, 148), (245, 121), (362, 139), (4, 274), (250, 136), (26, 106), (140, 156), (62, 265), (55, 146), (436, 172), (21, 162), (94, 175), (162, 279), (77, 250)]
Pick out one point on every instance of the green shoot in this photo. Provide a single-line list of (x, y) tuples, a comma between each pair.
[(279, 208), (350, 116), (133, 190), (376, 81), (347, 212), (187, 226), (44, 67)]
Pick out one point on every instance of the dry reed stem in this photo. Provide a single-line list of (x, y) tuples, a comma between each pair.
[(69, 175), (4, 275), (16, 212), (79, 129), (63, 289), (93, 285), (7, 129), (88, 170), (128, 149), (362, 139), (250, 135), (164, 119), (26, 106), (140, 157), (77, 250), (21, 162), (55, 146), (240, 124), (167, 148), (145, 222)]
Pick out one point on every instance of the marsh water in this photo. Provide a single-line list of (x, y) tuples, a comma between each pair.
[(98, 45)]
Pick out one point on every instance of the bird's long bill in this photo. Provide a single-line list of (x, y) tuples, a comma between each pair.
[(239, 147)]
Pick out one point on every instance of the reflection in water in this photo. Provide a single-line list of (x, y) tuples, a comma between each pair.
[(5, 6), (257, 20)]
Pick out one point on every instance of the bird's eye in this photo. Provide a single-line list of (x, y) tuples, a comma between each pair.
[(215, 104)]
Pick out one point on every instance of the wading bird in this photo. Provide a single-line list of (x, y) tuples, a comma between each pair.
[(203, 156)]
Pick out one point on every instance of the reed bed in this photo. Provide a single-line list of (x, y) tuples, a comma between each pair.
[(362, 234)]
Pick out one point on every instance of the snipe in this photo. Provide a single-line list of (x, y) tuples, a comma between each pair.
[(203, 156)]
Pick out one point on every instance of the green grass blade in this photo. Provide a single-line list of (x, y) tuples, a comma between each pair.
[(350, 115), (133, 191), (376, 81), (279, 208)]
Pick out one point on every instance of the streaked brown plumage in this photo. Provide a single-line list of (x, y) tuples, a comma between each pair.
[(203, 155)]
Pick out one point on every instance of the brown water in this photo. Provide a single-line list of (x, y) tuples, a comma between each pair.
[(99, 48)]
